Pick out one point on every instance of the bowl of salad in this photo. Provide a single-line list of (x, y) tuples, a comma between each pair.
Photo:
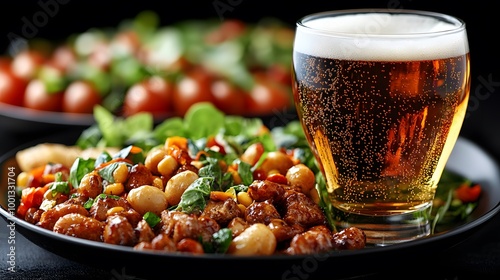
[(141, 66)]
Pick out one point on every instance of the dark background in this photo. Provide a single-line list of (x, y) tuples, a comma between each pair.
[(57, 19)]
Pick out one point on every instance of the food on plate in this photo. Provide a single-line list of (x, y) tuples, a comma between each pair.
[(140, 66), (207, 183), (210, 194)]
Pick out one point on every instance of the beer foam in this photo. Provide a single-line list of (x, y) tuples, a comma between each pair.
[(381, 37)]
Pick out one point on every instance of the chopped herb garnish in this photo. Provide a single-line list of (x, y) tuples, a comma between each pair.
[(152, 219)]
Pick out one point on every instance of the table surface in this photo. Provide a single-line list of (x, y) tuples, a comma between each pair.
[(477, 257)]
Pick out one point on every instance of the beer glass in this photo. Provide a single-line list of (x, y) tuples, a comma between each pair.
[(381, 96)]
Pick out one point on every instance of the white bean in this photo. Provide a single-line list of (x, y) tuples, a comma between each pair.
[(178, 184), (257, 239), (153, 158), (147, 199)]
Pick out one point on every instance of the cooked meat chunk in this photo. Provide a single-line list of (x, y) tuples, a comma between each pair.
[(119, 231), (78, 225), (144, 232), (101, 206), (139, 175), (261, 212), (261, 190), (178, 226), (50, 217), (317, 239), (160, 242), (349, 239), (302, 210), (222, 211)]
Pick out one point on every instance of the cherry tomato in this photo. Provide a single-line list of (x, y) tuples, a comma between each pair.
[(228, 98), (11, 87), (280, 73), (5, 63), (26, 63), (80, 97), (152, 95), (192, 88), (227, 30), (101, 56), (36, 97), (277, 178), (31, 197), (63, 58), (467, 193), (212, 143), (126, 42), (266, 96)]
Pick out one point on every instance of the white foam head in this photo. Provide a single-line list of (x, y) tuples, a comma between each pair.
[(381, 36)]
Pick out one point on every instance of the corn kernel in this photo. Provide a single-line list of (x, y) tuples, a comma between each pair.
[(120, 174), (242, 207), (244, 198), (114, 189), (23, 179), (114, 210)]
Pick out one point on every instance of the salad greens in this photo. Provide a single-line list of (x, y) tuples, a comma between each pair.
[(203, 121)]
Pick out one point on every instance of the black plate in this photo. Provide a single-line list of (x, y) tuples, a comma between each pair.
[(467, 159), (20, 119)]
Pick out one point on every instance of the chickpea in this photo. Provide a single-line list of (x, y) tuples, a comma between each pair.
[(167, 166), (302, 176), (244, 198), (147, 199), (22, 179), (257, 239), (178, 184), (153, 158), (158, 183), (120, 174), (277, 161)]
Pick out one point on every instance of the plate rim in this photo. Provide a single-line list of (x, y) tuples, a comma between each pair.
[(46, 117)]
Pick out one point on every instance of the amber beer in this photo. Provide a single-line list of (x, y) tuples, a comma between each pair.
[(381, 119)]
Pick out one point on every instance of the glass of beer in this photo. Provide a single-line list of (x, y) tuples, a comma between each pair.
[(381, 96)]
